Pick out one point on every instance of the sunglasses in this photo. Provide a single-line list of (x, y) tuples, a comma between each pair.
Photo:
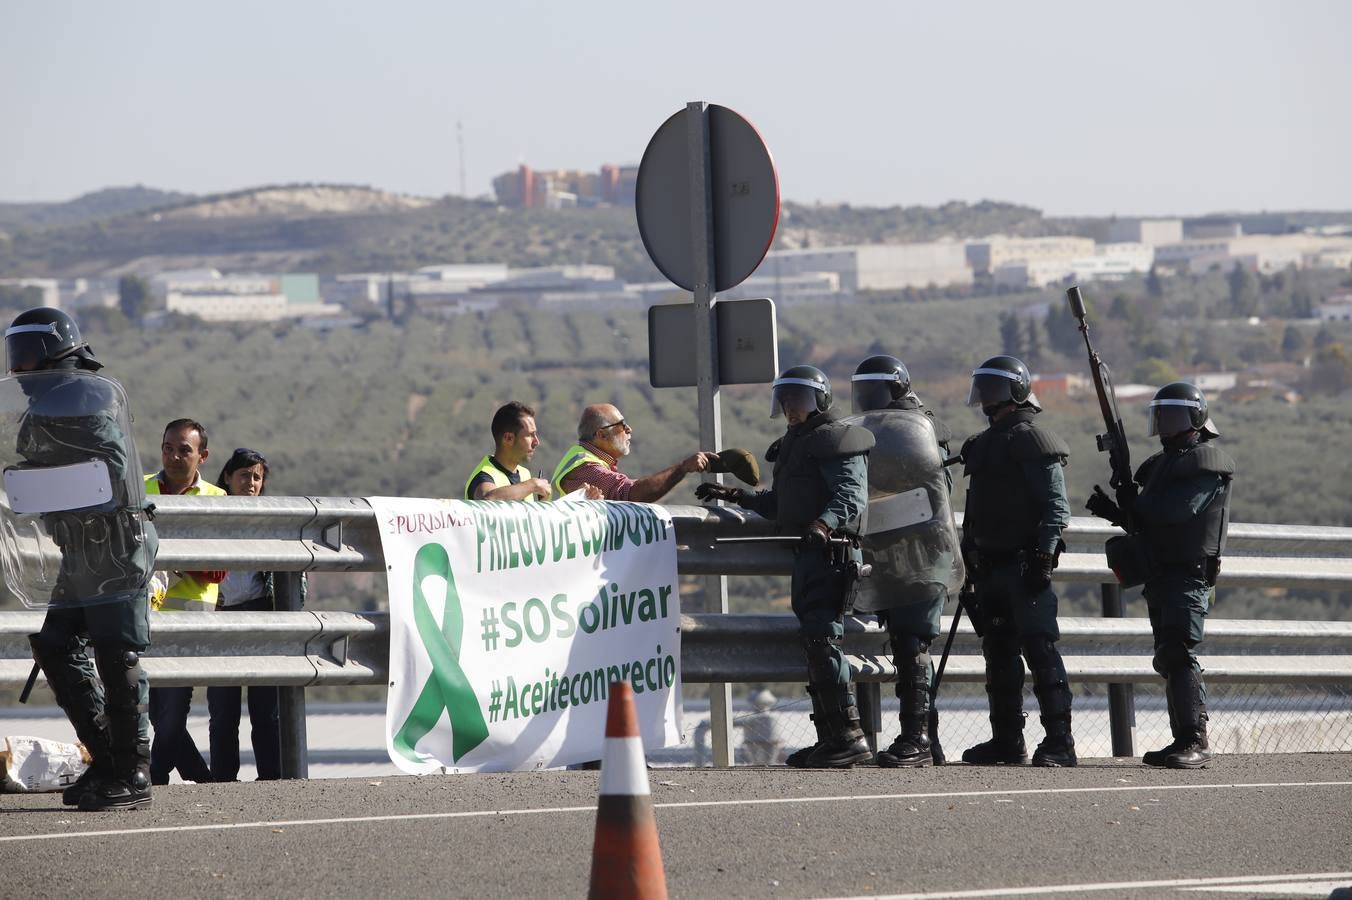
[(241, 451), (619, 424)]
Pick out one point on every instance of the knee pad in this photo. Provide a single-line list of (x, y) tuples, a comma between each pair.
[(822, 652), (120, 669), (1041, 652), (906, 647), (1172, 657)]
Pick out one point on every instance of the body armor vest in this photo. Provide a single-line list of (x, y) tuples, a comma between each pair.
[(1002, 514), (1202, 535), (801, 493)]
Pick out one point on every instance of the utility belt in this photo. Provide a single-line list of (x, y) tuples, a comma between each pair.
[(1132, 562)]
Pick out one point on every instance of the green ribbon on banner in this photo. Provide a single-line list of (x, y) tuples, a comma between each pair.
[(447, 689)]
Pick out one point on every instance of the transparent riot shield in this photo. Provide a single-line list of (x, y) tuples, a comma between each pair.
[(910, 536), (72, 526)]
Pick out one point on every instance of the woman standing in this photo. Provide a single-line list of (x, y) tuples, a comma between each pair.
[(245, 475)]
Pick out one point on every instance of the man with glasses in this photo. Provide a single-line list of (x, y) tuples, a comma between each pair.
[(603, 439)]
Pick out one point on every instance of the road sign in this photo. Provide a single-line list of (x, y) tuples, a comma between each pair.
[(748, 349), (745, 199)]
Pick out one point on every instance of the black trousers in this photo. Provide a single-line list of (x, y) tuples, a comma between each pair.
[(224, 704)]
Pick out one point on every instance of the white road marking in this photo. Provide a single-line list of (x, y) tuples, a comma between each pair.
[(688, 804), (1238, 883), (1314, 888)]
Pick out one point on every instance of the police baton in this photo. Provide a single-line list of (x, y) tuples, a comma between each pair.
[(948, 645), (28, 685)]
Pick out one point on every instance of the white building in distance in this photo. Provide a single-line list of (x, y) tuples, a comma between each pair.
[(875, 267)]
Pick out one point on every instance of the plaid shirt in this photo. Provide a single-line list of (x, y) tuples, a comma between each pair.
[(613, 484)]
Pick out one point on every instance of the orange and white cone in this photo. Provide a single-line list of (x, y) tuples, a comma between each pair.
[(626, 858)]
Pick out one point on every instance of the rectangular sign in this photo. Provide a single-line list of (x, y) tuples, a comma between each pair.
[(510, 620), (748, 345)]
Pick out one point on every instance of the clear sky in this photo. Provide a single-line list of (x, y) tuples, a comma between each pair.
[(1077, 107)]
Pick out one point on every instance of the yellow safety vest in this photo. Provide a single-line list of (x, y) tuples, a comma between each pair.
[(576, 457), (499, 477), (186, 592)]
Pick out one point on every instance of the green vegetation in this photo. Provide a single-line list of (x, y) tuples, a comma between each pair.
[(387, 410)]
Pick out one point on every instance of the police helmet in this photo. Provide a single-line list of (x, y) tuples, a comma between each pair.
[(1179, 407), (41, 337), (1001, 379), (877, 382), (806, 384)]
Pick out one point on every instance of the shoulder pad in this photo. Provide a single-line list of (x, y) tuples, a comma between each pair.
[(1143, 470), (772, 452), (1205, 458), (1030, 442), (838, 439)]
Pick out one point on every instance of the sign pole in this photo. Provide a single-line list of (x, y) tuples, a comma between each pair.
[(706, 386)]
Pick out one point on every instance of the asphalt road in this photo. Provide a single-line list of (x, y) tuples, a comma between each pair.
[(1249, 826)]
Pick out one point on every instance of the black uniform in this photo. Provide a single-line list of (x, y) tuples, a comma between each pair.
[(1015, 512), (104, 556), (1182, 513), (821, 475)]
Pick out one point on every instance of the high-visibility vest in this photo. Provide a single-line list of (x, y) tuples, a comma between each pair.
[(186, 592), (576, 457), (499, 477)]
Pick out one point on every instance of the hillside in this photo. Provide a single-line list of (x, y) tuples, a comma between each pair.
[(96, 205), (404, 410)]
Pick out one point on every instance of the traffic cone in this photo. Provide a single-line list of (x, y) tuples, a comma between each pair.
[(626, 858)]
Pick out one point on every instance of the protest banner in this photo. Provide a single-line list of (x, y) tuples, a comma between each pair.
[(510, 620)]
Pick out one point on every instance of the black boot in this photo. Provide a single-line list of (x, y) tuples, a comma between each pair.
[(1004, 690), (798, 758), (1193, 750), (129, 784), (844, 746), (1157, 757), (1057, 749), (70, 675), (911, 749), (1005, 748)]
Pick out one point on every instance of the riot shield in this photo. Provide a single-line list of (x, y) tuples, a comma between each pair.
[(910, 538), (72, 520)]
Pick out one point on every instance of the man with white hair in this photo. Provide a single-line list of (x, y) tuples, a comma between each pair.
[(603, 439)]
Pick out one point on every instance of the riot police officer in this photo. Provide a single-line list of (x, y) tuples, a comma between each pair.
[(820, 491), (1181, 515), (913, 549), (1016, 510), (73, 488)]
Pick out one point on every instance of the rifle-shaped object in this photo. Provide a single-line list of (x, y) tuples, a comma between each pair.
[(1114, 440)]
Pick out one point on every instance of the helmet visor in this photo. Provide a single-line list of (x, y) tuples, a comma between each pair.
[(26, 346), (1171, 416), (991, 386), (871, 391), (793, 395)]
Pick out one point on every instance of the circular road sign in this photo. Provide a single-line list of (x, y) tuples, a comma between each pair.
[(745, 199)]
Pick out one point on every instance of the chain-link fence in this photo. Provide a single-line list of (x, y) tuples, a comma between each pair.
[(1244, 718)]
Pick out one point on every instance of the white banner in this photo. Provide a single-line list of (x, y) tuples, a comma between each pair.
[(510, 620)]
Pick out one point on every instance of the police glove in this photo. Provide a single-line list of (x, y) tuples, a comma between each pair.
[(708, 490), (817, 536), (1101, 505), (1037, 571)]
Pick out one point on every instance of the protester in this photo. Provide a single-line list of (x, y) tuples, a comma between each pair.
[(604, 438), (182, 452), (245, 474), (503, 474)]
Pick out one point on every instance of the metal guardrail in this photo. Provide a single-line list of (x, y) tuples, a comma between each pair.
[(309, 649), (339, 534)]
